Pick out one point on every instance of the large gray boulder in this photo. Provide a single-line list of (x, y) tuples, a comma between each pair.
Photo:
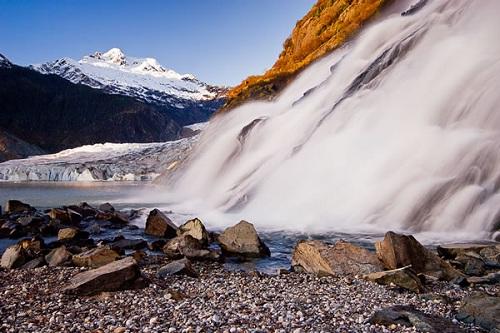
[(118, 275), (481, 309), (340, 259), (242, 240), (159, 225), (397, 251)]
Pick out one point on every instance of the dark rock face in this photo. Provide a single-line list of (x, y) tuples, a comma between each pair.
[(242, 240), (16, 206), (178, 267), (397, 251), (408, 316), (482, 310), (340, 259), (159, 225), (118, 275), (11, 147), (55, 114)]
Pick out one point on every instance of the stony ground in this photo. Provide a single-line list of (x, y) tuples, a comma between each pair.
[(217, 301)]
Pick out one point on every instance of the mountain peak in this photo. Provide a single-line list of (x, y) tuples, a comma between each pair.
[(4, 62)]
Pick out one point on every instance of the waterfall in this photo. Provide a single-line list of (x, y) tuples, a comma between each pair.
[(399, 129)]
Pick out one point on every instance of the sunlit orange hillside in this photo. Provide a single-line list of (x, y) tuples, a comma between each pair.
[(325, 27)]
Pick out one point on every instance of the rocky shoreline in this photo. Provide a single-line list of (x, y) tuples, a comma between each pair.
[(177, 281)]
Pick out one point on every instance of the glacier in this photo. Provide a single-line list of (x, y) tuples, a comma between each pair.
[(104, 162)]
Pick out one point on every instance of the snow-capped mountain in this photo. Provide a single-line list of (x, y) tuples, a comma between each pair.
[(142, 78), (4, 62)]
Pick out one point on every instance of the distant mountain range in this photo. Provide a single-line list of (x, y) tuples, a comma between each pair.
[(105, 97)]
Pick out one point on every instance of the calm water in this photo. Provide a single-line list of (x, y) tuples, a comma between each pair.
[(47, 195)]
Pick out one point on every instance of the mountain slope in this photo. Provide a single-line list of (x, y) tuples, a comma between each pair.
[(325, 27), (55, 114), (182, 96)]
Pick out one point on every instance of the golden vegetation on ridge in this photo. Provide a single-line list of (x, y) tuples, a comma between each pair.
[(325, 27)]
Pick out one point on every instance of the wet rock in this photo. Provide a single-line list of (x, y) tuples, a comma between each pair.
[(69, 234), (118, 275), (401, 277), (13, 257), (397, 251), (178, 267), (157, 245), (340, 259), (95, 258), (196, 229), (410, 317), (482, 310), (16, 206), (242, 240), (159, 225), (58, 257), (106, 208), (472, 263), (120, 244), (65, 216)]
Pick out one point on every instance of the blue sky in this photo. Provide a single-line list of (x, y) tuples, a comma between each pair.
[(220, 41)]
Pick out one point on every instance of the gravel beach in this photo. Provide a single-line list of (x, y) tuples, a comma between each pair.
[(217, 301)]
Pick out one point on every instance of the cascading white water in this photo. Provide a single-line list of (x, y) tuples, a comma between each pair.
[(399, 130)]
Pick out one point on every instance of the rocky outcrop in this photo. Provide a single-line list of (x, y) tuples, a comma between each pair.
[(196, 229), (95, 258), (242, 240), (401, 277), (408, 316), (482, 310), (159, 225), (178, 267), (397, 251), (11, 147), (118, 275), (340, 259)]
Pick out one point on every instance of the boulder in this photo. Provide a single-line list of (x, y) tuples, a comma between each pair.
[(157, 245), (13, 257), (107, 208), (58, 257), (69, 234), (65, 216), (179, 246), (482, 310), (408, 316), (451, 251), (95, 258), (118, 275), (242, 240), (121, 244), (397, 251), (32, 247), (159, 225), (340, 259), (196, 229), (472, 263), (401, 277), (178, 267), (16, 206)]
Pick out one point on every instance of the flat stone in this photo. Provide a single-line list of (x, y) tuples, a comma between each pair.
[(159, 225), (95, 258), (408, 316), (340, 259), (178, 267), (118, 275), (451, 251), (242, 240), (401, 277)]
